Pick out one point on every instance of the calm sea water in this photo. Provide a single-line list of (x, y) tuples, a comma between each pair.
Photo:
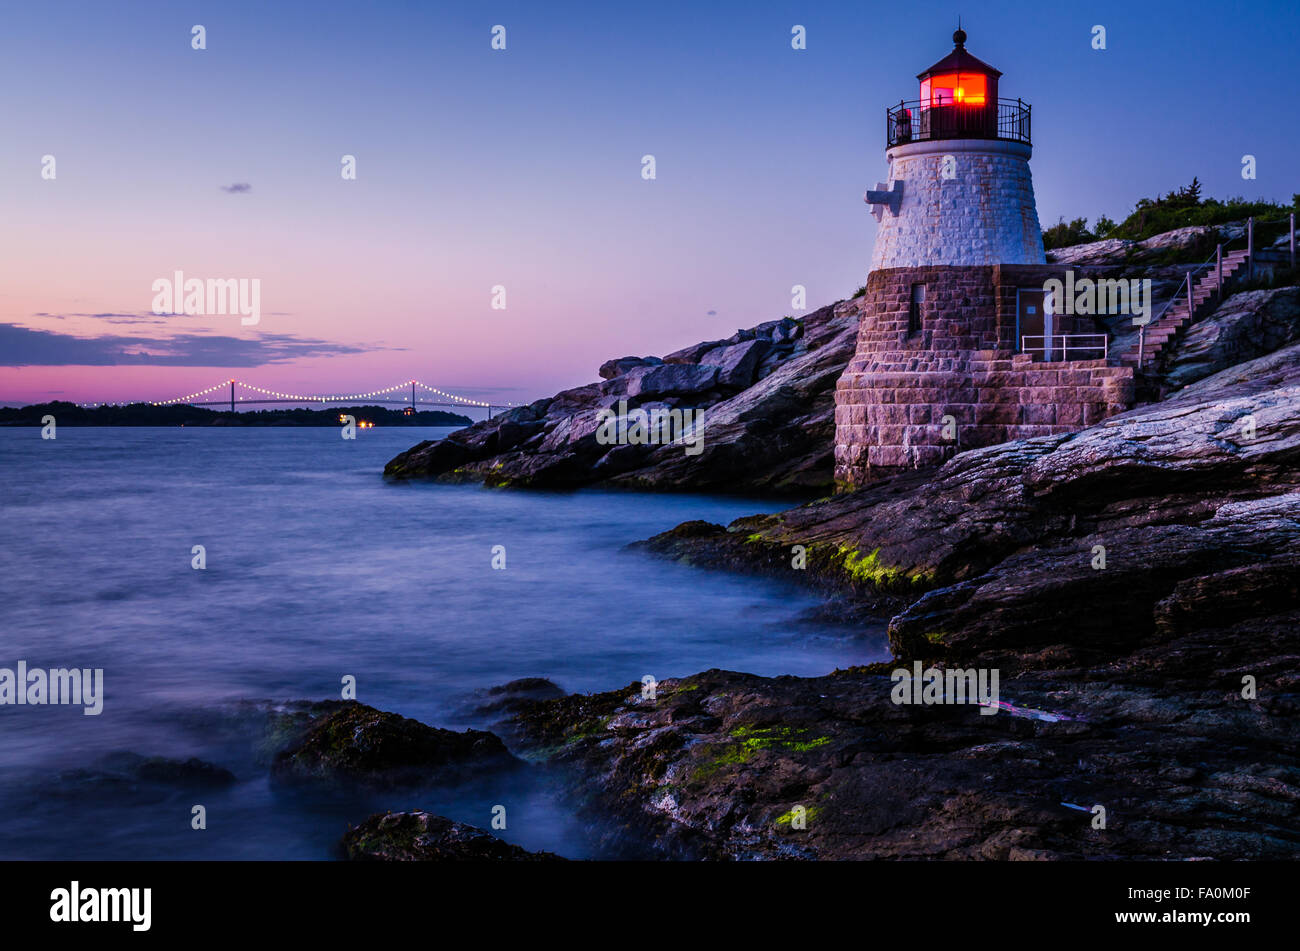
[(317, 569)]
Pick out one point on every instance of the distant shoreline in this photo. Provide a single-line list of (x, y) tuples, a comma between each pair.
[(147, 414)]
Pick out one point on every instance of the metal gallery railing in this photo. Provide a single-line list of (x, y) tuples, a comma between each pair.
[(923, 120)]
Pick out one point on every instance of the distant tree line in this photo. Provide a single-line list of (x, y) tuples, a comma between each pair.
[(147, 414)]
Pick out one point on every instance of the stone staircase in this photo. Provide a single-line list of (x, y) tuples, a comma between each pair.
[(1177, 316)]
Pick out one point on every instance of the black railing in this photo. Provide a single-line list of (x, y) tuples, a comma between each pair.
[(923, 121)]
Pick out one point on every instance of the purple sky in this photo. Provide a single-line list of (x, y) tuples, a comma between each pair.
[(522, 168)]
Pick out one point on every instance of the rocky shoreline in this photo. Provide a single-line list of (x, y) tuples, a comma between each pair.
[(768, 394), (1134, 585)]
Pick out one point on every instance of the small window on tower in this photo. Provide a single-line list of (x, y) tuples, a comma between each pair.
[(914, 310)]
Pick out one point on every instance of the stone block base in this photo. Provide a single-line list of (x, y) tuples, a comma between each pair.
[(913, 399)]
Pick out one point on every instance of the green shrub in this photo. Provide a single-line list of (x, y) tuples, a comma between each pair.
[(1182, 208), (1062, 235), (1185, 207)]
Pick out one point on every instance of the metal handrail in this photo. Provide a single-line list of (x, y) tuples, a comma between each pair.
[(1065, 339), (1185, 290), (1184, 293), (1184, 284), (1249, 237), (921, 120)]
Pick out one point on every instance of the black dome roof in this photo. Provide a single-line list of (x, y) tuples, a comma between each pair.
[(959, 60)]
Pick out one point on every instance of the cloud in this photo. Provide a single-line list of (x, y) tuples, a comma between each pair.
[(23, 346), (238, 188), (145, 317)]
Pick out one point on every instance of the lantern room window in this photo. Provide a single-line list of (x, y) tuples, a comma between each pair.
[(969, 89)]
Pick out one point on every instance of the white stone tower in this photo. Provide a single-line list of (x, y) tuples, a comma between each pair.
[(959, 190)]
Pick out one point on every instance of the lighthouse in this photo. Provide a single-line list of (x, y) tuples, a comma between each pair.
[(959, 189), (960, 342)]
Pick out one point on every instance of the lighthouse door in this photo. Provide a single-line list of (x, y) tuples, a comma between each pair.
[(1033, 324)]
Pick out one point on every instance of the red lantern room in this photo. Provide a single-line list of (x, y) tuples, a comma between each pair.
[(959, 79), (958, 100)]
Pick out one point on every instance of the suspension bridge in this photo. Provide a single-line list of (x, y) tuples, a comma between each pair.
[(412, 393)]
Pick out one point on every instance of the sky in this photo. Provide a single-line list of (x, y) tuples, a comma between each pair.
[(479, 168)]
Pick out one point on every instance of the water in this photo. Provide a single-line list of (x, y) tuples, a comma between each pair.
[(317, 569)]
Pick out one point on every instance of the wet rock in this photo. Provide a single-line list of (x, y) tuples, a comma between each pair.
[(998, 546), (1124, 580), (724, 765), (423, 837), (192, 773), (270, 725), (515, 695), (125, 777), (359, 744), (126, 769), (1178, 575)]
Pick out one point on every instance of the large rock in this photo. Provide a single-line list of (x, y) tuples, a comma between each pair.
[(671, 380), (1245, 326), (424, 837), (1122, 580), (1192, 243), (692, 353), (612, 368), (775, 435), (737, 363), (1106, 251), (997, 547), (512, 696), (126, 776), (1242, 562), (724, 765), (358, 744)]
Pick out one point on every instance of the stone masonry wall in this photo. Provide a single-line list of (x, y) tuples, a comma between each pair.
[(983, 214), (892, 398)]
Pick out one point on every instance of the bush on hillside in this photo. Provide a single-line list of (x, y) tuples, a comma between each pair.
[(1063, 234), (1181, 208)]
